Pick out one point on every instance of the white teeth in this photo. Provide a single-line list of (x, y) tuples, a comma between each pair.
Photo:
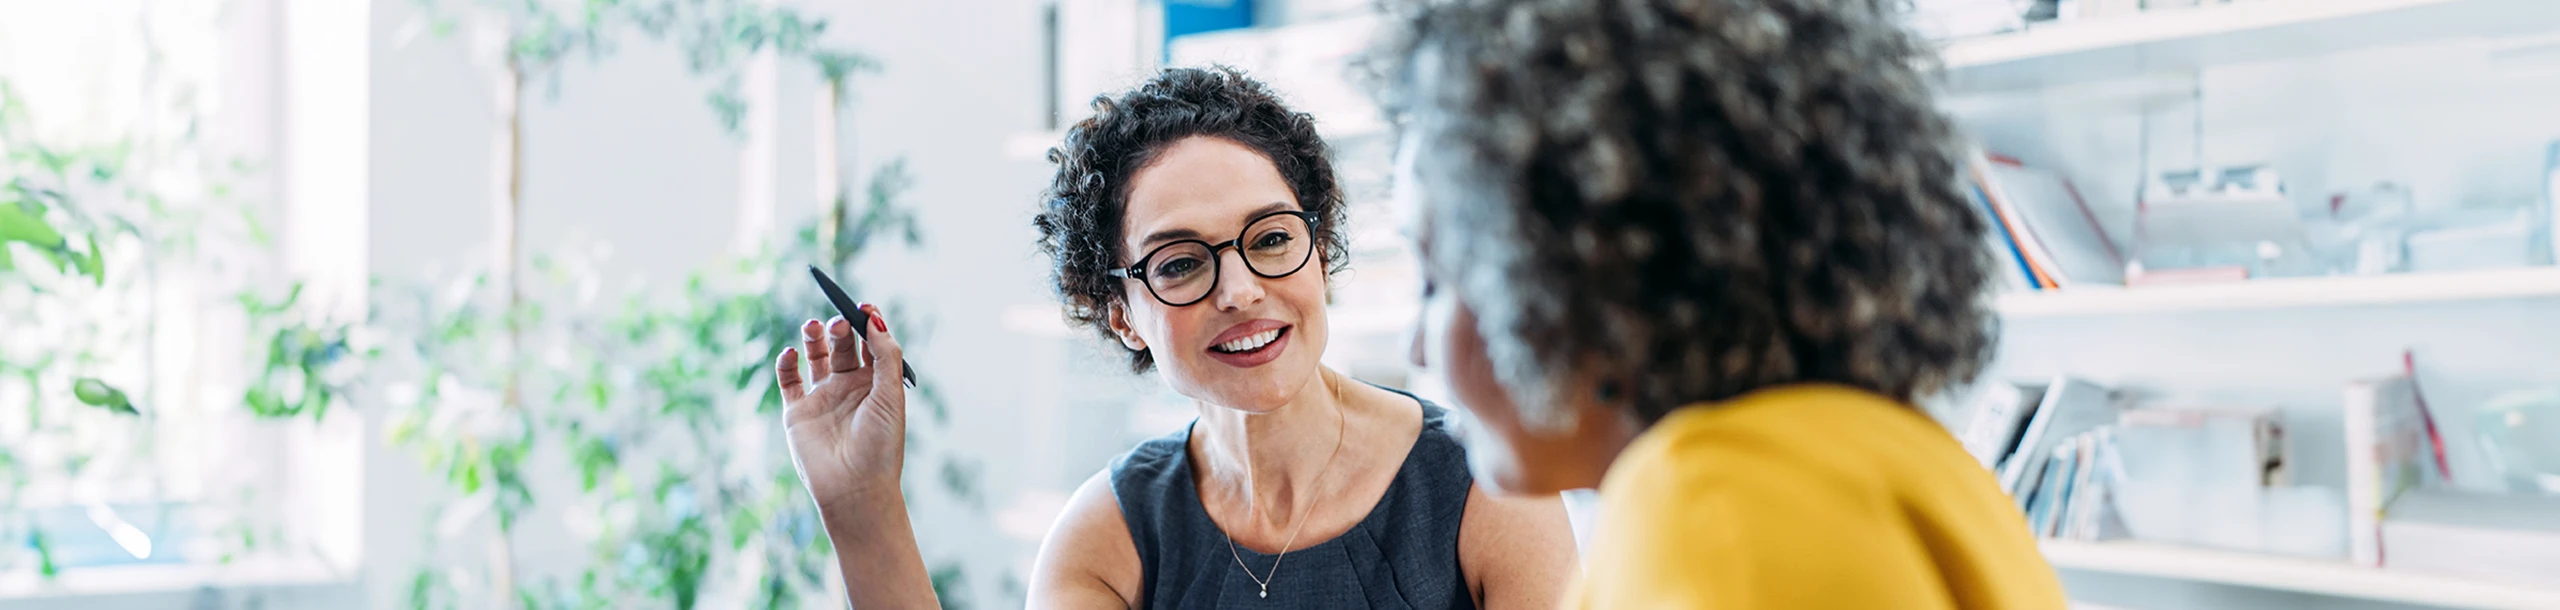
[(1250, 342)]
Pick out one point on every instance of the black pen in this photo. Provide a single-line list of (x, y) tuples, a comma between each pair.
[(853, 313)]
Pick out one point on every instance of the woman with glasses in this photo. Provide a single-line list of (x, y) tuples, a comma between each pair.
[(1705, 255), (1194, 221)]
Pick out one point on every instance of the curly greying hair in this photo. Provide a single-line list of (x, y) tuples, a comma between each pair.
[(1082, 214), (1689, 200)]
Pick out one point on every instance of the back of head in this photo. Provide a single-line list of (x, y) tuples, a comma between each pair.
[(1692, 199)]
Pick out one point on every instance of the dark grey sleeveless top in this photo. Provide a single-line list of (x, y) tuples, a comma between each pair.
[(1404, 555)]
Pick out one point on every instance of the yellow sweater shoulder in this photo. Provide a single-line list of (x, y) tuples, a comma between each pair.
[(1809, 497)]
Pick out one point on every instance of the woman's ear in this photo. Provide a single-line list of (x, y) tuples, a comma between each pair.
[(1118, 319)]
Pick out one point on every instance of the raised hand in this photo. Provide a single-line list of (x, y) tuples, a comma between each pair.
[(847, 420), (847, 423)]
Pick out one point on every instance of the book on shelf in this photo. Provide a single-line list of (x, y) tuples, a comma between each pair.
[(2015, 273), (2047, 225), (2551, 201), (2042, 490), (2504, 538), (2000, 415), (2390, 452), (2092, 495), (2072, 496), (2070, 405)]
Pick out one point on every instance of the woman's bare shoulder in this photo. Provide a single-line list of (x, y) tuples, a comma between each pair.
[(1089, 560), (1517, 552)]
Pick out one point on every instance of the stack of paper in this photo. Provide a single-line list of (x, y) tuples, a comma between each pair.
[(2504, 538)]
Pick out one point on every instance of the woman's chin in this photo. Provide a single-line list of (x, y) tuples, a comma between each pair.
[(1261, 389)]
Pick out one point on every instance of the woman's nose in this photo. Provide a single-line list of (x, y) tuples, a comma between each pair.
[(1240, 288)]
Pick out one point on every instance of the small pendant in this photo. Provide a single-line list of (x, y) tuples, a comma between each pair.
[(1266, 591)]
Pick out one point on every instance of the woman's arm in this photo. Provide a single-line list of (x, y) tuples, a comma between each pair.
[(1517, 553), (876, 552), (847, 424), (1089, 561)]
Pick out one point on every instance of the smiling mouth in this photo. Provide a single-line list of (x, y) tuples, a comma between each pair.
[(1253, 343)]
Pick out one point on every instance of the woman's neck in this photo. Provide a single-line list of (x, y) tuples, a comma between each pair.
[(1276, 460)]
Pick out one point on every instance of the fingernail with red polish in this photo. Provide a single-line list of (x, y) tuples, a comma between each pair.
[(878, 325)]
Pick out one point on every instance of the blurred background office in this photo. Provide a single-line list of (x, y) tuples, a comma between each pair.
[(467, 303)]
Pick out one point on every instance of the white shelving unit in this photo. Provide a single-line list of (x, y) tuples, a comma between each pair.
[(2186, 45), (2175, 40), (2304, 575), (2287, 293)]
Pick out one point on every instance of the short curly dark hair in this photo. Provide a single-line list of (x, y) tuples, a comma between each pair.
[(1691, 199), (1081, 215)]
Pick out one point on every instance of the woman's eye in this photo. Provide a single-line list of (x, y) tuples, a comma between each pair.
[(1274, 239), (1177, 268)]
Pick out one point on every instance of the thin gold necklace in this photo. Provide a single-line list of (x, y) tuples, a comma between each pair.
[(1264, 581)]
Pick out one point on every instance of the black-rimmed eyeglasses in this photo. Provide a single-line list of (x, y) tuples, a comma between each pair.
[(1272, 245)]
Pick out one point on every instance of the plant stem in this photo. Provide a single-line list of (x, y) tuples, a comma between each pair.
[(511, 236)]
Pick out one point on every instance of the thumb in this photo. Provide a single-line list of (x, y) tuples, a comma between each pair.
[(888, 362)]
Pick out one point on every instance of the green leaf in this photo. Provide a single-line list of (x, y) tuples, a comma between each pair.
[(44, 555), (469, 475), (97, 393), (743, 526), (18, 223), (315, 395), (256, 306), (94, 264), (257, 229), (264, 402), (594, 456), (422, 589)]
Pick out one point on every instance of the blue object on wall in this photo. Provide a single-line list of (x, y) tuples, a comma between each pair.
[(1185, 17)]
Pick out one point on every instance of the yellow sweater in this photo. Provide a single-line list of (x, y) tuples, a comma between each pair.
[(1808, 497)]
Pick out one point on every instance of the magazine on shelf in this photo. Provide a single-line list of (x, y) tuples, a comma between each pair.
[(2389, 453)]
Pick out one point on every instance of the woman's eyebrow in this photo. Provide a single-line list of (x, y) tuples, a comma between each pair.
[(1265, 209), (1180, 233), (1169, 235)]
